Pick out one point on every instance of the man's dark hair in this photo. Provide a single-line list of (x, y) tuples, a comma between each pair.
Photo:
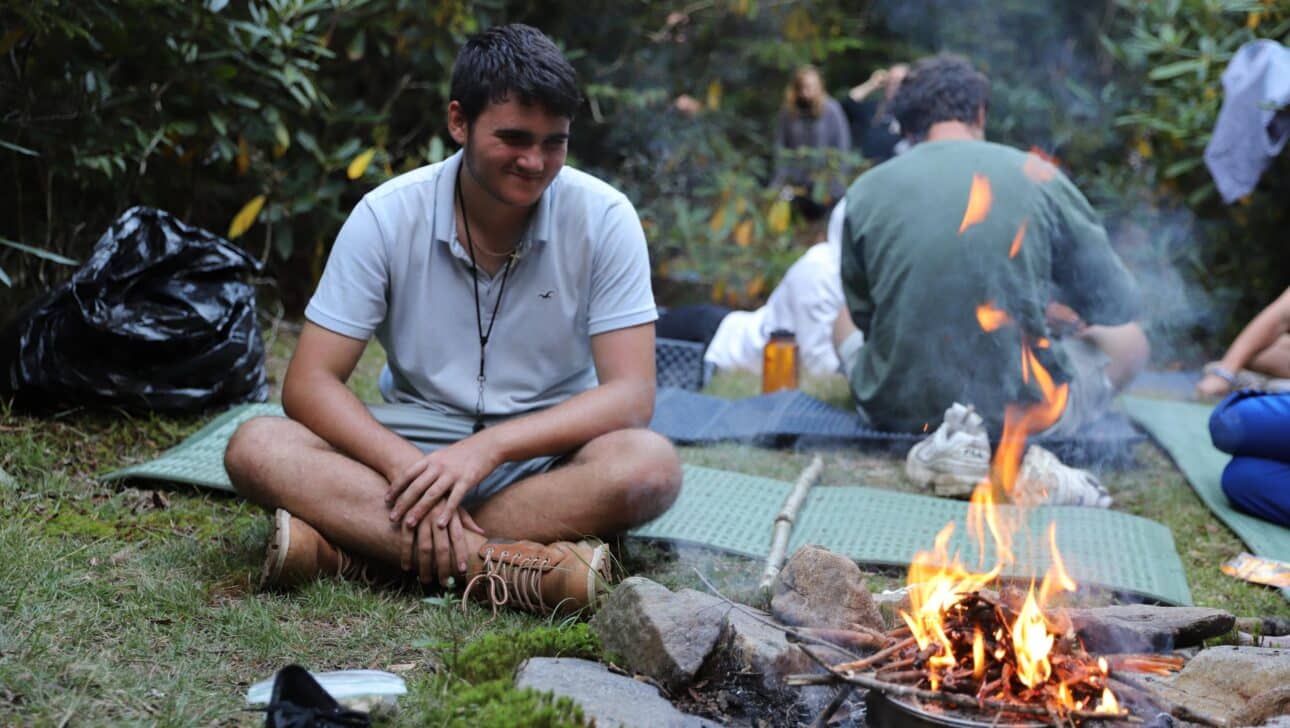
[(940, 88), (513, 59)]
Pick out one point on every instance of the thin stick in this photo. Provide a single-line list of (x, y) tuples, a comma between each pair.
[(787, 516), (851, 639), (876, 657), (866, 680)]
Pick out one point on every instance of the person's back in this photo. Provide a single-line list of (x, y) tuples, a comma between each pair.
[(921, 257)]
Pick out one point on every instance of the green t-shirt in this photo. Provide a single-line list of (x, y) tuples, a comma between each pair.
[(913, 281)]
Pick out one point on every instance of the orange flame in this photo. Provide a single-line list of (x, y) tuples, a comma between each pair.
[(1016, 241), (1056, 578), (1108, 703), (1040, 166), (1019, 421), (991, 318), (1031, 642), (978, 654), (979, 200)]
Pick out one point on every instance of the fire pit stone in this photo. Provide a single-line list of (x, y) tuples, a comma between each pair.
[(605, 698), (1143, 628), (818, 588), (657, 632), (1242, 685)]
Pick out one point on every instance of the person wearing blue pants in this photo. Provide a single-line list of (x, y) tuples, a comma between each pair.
[(1254, 427)]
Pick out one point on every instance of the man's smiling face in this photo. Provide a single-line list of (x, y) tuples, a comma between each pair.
[(512, 150)]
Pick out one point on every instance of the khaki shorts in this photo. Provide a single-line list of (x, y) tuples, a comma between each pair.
[(1090, 391), (430, 431)]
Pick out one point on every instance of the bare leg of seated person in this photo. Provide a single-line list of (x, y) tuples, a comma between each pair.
[(612, 483), (1273, 361)]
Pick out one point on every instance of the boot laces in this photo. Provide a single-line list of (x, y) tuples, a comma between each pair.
[(510, 580), (354, 569)]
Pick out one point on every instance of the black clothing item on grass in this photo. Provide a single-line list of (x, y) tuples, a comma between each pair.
[(298, 701)]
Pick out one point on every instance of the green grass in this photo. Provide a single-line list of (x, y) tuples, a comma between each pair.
[(136, 606)]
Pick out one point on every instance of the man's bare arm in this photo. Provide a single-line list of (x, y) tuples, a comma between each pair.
[(314, 394)]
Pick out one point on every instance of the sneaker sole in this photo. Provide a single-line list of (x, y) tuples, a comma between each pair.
[(599, 557), (276, 553), (942, 484)]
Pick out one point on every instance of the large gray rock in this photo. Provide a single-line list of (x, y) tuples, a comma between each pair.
[(657, 633), (818, 588), (1240, 685), (1141, 628), (608, 699)]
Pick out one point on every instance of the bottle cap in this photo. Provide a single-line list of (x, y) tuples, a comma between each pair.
[(782, 334)]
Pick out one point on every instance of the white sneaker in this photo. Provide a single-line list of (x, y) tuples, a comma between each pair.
[(1045, 480), (953, 459)]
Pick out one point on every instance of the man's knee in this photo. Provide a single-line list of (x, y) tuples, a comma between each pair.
[(644, 469), (244, 458)]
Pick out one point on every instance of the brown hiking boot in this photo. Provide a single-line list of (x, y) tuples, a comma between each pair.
[(298, 554), (561, 577)]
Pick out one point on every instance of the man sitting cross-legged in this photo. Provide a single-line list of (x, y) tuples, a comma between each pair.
[(956, 224), (512, 297)]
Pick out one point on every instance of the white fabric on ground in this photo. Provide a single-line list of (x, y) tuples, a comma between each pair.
[(806, 302)]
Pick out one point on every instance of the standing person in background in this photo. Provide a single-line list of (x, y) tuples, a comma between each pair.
[(874, 131), (809, 120)]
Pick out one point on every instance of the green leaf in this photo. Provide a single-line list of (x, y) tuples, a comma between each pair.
[(21, 150), (1181, 167), (4, 278), (1173, 70), (436, 151), (45, 254)]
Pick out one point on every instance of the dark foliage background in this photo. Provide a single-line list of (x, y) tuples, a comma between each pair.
[(267, 119)]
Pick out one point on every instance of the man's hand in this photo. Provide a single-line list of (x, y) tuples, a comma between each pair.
[(1062, 319), (439, 552), (447, 475)]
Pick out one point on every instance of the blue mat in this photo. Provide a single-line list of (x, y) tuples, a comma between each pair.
[(785, 418)]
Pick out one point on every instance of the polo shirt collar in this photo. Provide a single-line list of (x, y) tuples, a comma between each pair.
[(445, 219)]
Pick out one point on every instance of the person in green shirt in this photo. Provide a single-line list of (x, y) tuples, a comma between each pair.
[(959, 255)]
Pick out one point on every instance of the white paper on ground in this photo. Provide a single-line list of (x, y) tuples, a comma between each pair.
[(346, 686)]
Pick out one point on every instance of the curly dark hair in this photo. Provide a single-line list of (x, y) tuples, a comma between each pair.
[(939, 88), (517, 59)]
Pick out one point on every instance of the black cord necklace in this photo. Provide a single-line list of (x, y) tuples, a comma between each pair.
[(479, 316)]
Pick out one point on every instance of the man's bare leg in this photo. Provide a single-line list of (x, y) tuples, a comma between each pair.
[(1126, 346), (610, 484)]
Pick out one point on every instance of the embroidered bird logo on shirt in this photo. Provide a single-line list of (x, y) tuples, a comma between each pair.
[(546, 294)]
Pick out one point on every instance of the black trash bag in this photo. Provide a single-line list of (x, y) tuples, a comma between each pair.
[(158, 318)]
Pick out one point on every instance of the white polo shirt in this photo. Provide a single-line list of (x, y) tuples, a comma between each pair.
[(398, 271)]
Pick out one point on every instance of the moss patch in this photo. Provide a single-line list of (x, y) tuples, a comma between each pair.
[(496, 655)]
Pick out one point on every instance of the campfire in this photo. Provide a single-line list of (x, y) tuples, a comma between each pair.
[(971, 641)]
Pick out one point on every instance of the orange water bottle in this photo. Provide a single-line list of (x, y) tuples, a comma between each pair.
[(779, 362)]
